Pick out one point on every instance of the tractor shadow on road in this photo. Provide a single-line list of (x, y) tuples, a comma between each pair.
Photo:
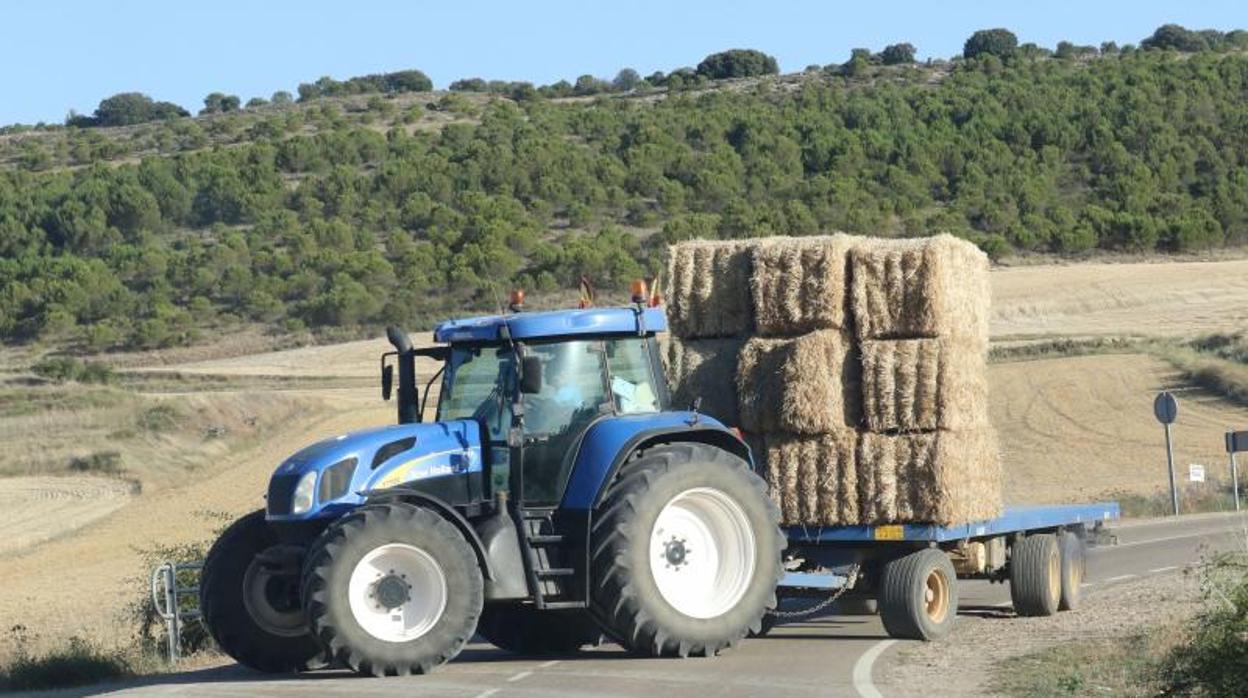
[(987, 611)]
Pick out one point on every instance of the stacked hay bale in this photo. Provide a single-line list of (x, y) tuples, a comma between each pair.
[(855, 366), (928, 451)]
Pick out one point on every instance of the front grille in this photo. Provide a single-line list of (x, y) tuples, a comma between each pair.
[(281, 492)]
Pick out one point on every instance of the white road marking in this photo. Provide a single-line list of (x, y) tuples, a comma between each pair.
[(1120, 577), (517, 677), (547, 665), (862, 670), (1163, 539), (1167, 568), (487, 693)]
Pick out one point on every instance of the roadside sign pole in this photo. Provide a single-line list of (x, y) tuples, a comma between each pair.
[(1166, 410), (1174, 490), (1235, 480)]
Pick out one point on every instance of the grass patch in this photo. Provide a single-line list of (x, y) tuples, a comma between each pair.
[(78, 662), (1136, 665), (1210, 370), (1214, 659), (159, 418), (1194, 498), (1064, 347)]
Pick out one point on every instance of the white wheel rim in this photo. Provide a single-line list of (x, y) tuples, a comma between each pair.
[(702, 553), (413, 574)]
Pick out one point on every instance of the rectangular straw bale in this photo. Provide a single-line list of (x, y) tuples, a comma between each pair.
[(704, 368), (805, 385), (923, 287), (709, 293), (923, 384), (799, 285), (813, 478), (941, 477)]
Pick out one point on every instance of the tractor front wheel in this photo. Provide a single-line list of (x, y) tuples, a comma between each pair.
[(685, 552), (252, 611), (392, 590)]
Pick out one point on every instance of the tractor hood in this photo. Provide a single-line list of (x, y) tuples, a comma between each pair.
[(333, 475)]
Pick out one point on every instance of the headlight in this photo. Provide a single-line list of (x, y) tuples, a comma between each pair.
[(302, 501)]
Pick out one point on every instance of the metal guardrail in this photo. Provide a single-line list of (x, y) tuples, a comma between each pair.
[(169, 596)]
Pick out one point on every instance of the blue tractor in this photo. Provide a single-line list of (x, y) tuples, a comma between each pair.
[(557, 499)]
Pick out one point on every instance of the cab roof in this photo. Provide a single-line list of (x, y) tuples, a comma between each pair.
[(551, 324)]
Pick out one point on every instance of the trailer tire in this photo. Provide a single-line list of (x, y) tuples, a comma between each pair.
[(384, 557), (918, 595), (1036, 575), (661, 500), (1074, 565), (526, 630), (265, 635)]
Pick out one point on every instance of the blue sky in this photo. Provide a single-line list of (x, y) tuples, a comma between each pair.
[(58, 56)]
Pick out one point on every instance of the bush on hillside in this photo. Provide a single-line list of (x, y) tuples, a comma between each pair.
[(737, 63), (990, 42), (128, 108)]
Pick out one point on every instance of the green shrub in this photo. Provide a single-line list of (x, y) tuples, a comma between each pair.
[(79, 662), (1213, 661), (100, 462), (159, 418), (64, 368)]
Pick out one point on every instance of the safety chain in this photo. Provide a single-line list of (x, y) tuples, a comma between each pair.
[(820, 605)]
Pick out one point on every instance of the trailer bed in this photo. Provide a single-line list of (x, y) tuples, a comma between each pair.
[(1014, 520)]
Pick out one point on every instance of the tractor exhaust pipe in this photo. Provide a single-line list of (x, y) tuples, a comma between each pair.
[(407, 374)]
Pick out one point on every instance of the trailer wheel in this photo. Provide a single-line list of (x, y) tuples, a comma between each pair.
[(392, 589), (918, 595), (526, 630), (1036, 575), (253, 614), (685, 552), (1073, 568)]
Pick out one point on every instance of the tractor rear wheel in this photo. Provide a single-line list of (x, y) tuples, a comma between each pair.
[(526, 630), (392, 590), (685, 552), (253, 612)]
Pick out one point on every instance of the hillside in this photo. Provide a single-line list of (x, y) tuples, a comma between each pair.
[(357, 210)]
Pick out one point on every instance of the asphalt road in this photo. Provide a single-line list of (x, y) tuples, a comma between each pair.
[(832, 655)]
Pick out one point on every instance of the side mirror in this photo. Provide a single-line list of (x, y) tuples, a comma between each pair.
[(387, 381), (530, 375)]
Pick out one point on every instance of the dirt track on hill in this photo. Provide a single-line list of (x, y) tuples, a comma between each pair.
[(39, 508)]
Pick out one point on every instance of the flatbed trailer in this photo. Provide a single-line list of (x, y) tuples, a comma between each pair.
[(911, 571)]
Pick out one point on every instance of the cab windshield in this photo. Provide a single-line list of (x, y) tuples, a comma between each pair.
[(581, 381)]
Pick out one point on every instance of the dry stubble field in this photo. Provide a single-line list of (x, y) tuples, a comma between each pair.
[(1072, 428)]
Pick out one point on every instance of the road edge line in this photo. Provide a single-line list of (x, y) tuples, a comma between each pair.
[(862, 669)]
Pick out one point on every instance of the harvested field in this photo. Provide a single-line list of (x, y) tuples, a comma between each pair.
[(928, 287), (1145, 298), (805, 385), (798, 285), (944, 477), (37, 509), (923, 384)]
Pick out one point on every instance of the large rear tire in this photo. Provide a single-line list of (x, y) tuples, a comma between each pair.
[(526, 630), (918, 597), (253, 613), (1073, 568), (1036, 575), (392, 590), (685, 552)]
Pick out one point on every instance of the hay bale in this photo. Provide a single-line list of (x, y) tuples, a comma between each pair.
[(941, 477), (709, 294), (925, 287), (924, 384), (805, 385), (813, 478), (799, 285), (704, 368)]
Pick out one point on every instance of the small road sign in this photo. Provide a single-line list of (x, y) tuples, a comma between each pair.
[(1166, 408), (1196, 472)]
